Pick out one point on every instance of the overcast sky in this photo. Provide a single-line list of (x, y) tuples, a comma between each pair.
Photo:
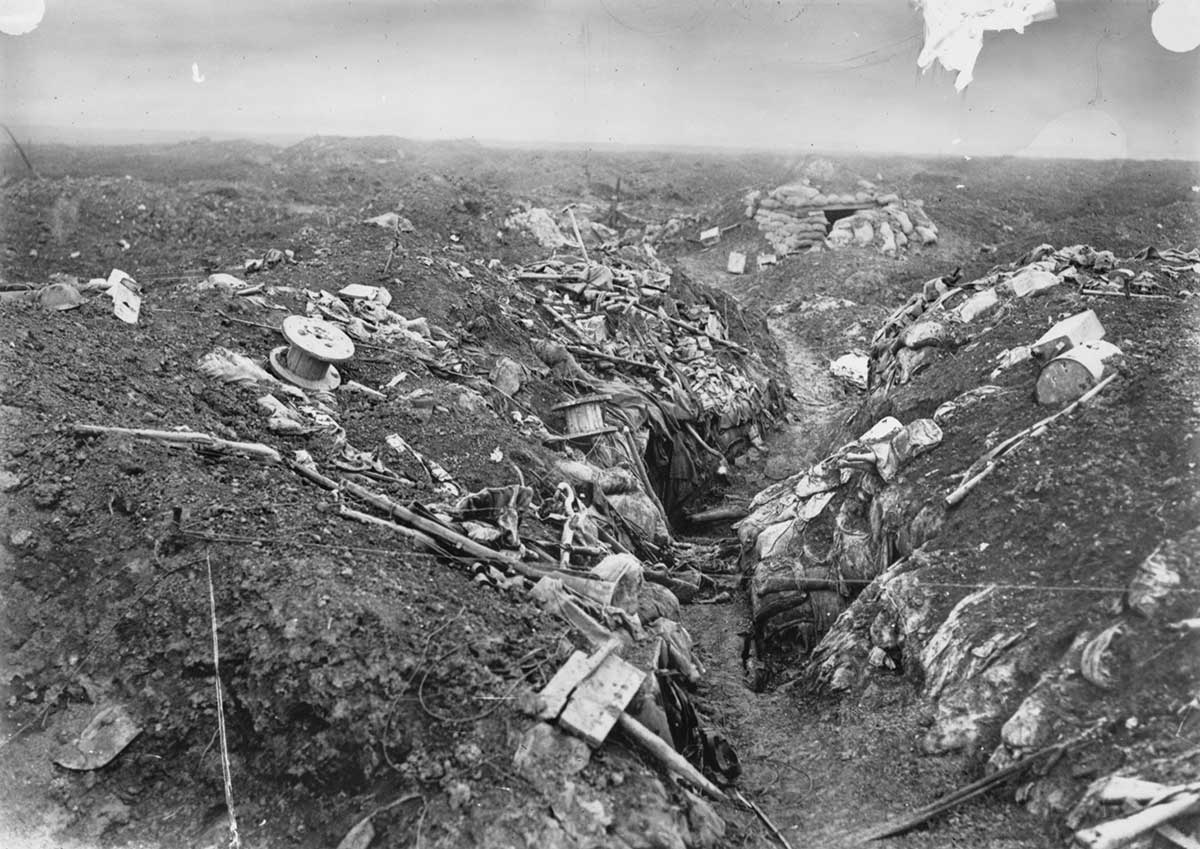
[(747, 73)]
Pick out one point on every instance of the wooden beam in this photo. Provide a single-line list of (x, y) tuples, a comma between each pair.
[(569, 676), (596, 705)]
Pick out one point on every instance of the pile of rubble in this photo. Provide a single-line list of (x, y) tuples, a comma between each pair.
[(661, 363), (840, 571), (656, 398), (940, 317), (814, 540), (797, 216)]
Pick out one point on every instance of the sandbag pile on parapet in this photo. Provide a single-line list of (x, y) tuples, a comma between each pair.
[(1048, 661), (815, 539), (946, 314), (798, 216), (656, 378)]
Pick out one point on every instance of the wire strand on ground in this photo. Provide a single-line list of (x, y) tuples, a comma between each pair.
[(235, 840), (947, 585)]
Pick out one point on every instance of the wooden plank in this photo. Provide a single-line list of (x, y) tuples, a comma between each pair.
[(1075, 330), (566, 679), (1177, 837), (569, 676), (1119, 832), (599, 701)]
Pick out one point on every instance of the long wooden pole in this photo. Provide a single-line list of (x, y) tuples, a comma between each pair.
[(963, 794), (439, 531), (20, 150), (1115, 833), (254, 449), (992, 458), (667, 756)]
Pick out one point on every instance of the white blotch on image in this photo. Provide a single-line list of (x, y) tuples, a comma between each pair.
[(1176, 25), (1079, 134), (18, 17)]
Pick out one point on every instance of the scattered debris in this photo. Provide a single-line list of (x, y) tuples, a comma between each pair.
[(851, 369), (1093, 664), (314, 346), (126, 302), (1170, 803), (391, 221), (105, 737)]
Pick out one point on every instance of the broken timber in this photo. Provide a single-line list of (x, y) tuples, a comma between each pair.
[(597, 703), (969, 792), (989, 461), (200, 440), (569, 676), (1120, 832), (550, 593)]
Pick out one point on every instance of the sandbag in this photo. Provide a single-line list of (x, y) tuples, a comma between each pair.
[(657, 602)]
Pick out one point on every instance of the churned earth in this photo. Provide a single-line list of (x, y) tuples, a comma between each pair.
[(359, 671)]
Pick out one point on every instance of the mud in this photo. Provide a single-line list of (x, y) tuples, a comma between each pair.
[(359, 671)]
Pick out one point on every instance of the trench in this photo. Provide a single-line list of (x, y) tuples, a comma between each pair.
[(801, 762), (822, 768)]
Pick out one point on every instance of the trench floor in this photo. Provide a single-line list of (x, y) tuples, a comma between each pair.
[(823, 769)]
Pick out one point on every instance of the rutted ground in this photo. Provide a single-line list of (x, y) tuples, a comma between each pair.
[(824, 771), (878, 736), (298, 587)]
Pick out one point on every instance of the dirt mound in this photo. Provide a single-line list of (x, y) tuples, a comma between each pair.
[(1007, 636), (357, 660), (509, 420)]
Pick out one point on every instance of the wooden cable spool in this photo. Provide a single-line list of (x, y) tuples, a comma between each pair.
[(585, 416), (314, 345)]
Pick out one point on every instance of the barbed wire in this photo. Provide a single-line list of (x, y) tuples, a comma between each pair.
[(949, 585)]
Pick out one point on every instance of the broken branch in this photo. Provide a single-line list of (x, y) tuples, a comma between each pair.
[(765, 819), (600, 355), (367, 519), (733, 346), (965, 794), (1119, 832), (668, 757), (439, 531), (989, 460), (252, 449), (718, 514)]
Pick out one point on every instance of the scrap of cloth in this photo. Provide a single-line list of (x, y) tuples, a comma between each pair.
[(954, 29)]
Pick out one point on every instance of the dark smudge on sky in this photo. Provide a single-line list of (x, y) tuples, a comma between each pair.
[(782, 75)]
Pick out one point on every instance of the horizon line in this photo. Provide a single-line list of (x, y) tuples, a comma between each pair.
[(69, 136)]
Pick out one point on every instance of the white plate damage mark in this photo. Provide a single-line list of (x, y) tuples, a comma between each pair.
[(1176, 25), (18, 17)]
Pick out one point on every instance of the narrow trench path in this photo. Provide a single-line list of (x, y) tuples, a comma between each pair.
[(823, 770)]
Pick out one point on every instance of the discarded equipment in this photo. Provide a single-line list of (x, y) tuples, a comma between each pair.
[(313, 347), (584, 416)]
